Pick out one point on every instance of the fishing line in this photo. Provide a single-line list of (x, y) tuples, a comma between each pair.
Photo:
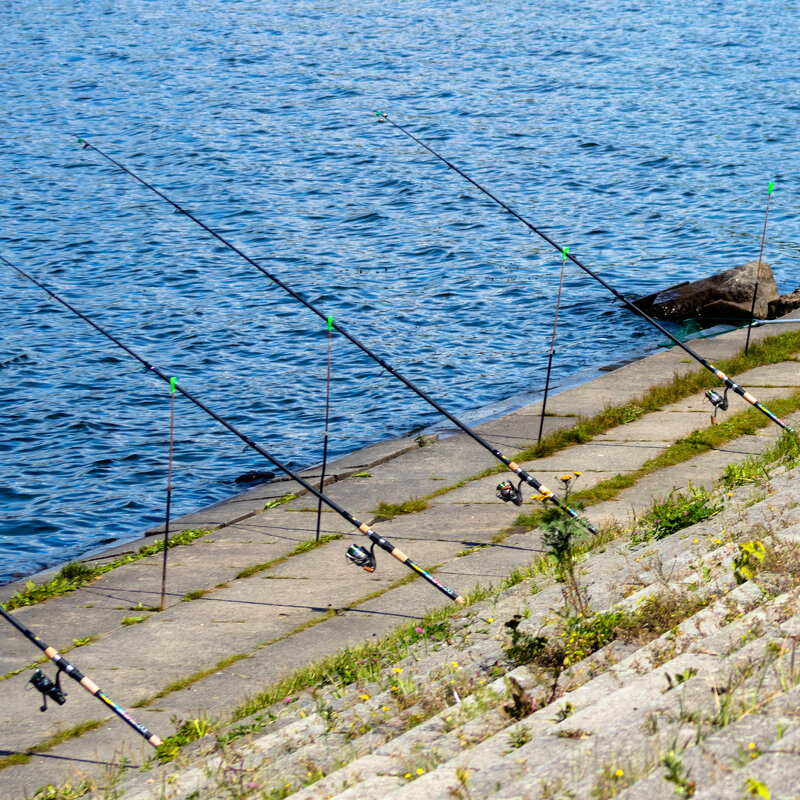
[(54, 691), (758, 270), (327, 423), (363, 527), (515, 468), (172, 382), (552, 341), (718, 373)]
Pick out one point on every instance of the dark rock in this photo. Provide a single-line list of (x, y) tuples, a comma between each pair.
[(726, 295), (255, 475), (784, 304)]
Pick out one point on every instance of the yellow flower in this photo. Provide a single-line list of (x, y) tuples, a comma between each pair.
[(619, 773), (420, 771), (578, 474), (386, 708), (365, 697), (565, 478), (455, 665), (407, 775), (398, 670)]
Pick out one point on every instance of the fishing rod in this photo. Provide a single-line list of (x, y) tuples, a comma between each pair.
[(552, 342), (53, 690), (172, 382), (758, 269), (508, 492), (327, 424), (383, 116), (356, 553)]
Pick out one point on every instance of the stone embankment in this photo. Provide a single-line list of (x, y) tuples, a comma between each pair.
[(652, 666)]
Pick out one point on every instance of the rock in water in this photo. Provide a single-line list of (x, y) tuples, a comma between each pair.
[(726, 295)]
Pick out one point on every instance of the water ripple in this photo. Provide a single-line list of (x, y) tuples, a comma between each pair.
[(641, 137)]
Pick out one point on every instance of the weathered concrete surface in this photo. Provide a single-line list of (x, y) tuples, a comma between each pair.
[(262, 619)]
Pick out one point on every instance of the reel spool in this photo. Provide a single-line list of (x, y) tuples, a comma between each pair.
[(719, 403), (361, 557), (509, 493), (49, 689)]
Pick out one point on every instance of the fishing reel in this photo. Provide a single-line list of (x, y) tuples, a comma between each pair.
[(48, 689), (719, 403), (509, 493), (361, 557)]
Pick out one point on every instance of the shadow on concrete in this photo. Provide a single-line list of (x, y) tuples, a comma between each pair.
[(71, 759)]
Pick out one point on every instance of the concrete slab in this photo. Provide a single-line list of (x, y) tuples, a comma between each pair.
[(518, 430), (651, 427), (786, 373), (597, 455)]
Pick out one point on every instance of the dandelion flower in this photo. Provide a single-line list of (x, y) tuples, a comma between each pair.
[(398, 670), (365, 697), (420, 771), (619, 773)]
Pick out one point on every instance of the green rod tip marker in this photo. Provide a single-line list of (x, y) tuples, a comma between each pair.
[(770, 187), (564, 251), (172, 382), (330, 323)]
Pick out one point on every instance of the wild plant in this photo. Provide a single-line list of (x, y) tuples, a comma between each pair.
[(751, 554), (677, 774), (678, 510)]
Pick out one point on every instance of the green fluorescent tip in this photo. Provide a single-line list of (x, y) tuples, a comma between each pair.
[(172, 382), (330, 323), (770, 186)]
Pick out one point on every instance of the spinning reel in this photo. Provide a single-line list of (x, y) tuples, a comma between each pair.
[(48, 689), (719, 403), (361, 557), (507, 492)]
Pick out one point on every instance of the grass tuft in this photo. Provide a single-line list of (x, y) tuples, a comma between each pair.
[(73, 576)]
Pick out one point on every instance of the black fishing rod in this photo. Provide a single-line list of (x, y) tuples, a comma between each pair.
[(54, 691), (552, 343), (356, 554), (327, 424), (383, 116), (513, 493), (758, 270)]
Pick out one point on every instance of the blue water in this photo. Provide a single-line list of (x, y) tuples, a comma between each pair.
[(640, 135)]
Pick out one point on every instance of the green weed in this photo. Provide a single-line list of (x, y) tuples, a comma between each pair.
[(279, 501), (676, 511), (386, 511), (189, 731), (677, 774), (751, 554), (73, 576)]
